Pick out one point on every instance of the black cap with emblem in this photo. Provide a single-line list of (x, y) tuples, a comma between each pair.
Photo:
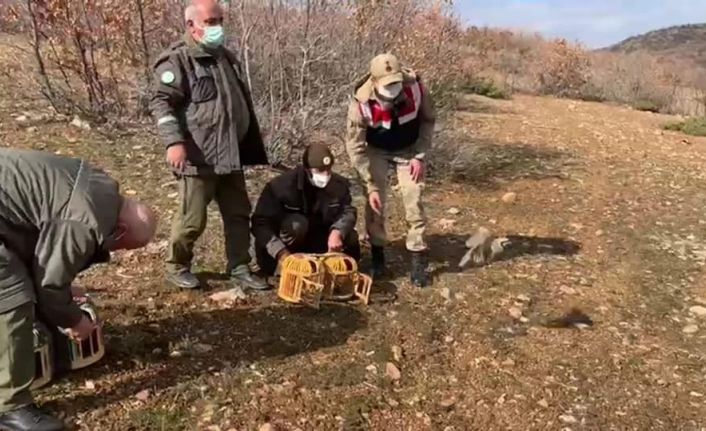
[(318, 156)]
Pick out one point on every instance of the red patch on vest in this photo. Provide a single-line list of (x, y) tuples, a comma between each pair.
[(381, 115)]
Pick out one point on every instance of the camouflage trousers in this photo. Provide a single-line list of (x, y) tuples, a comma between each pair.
[(380, 164)]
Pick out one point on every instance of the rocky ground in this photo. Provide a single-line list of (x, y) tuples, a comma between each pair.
[(478, 350)]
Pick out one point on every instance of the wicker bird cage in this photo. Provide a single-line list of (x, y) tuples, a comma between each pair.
[(343, 278), (309, 278), (43, 356), (74, 355), (301, 280)]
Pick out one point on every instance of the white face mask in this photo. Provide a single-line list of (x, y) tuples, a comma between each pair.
[(319, 179), (391, 91)]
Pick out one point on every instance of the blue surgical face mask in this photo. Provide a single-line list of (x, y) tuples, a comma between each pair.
[(213, 36)]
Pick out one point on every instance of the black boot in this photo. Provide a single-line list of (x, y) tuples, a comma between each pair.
[(377, 269), (29, 418), (418, 273)]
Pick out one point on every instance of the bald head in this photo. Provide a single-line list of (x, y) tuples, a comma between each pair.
[(137, 224), (201, 14)]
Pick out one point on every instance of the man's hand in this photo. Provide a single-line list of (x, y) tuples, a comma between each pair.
[(335, 241), (283, 255), (176, 156), (82, 329), (375, 202), (416, 168)]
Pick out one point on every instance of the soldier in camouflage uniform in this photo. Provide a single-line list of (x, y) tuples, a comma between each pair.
[(207, 123), (390, 125)]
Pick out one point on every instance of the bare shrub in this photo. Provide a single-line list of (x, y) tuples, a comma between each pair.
[(300, 57), (636, 79), (566, 69)]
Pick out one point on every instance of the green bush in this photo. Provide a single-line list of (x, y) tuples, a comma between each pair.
[(693, 126), (487, 88)]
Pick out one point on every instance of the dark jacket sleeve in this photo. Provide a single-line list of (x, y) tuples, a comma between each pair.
[(346, 222), (265, 223), (168, 97), (64, 249)]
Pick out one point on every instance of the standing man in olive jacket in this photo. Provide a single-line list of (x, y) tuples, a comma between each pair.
[(58, 216), (305, 210), (207, 123)]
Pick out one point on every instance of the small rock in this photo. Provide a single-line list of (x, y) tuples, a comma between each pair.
[(22, 119), (568, 419), (599, 232), (131, 192), (576, 226), (515, 313), (231, 295), (371, 368), (696, 394), (448, 403), (698, 311), (543, 403), (445, 293), (392, 371), (449, 339), (454, 211), (176, 354), (202, 348), (524, 298), (143, 395), (509, 198), (397, 353), (81, 124), (566, 290), (157, 351), (268, 427), (31, 129), (690, 329), (523, 319), (508, 363), (90, 385), (446, 224)]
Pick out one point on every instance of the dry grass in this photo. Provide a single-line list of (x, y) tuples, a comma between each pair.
[(606, 177)]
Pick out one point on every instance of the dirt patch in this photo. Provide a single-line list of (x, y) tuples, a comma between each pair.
[(472, 352)]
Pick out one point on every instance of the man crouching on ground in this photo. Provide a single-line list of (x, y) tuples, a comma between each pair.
[(305, 210), (58, 216)]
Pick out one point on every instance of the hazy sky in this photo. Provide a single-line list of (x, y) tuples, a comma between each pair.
[(596, 23)]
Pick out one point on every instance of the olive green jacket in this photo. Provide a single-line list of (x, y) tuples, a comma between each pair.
[(57, 215), (201, 100)]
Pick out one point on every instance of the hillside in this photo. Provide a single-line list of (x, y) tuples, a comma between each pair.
[(680, 42), (475, 351)]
